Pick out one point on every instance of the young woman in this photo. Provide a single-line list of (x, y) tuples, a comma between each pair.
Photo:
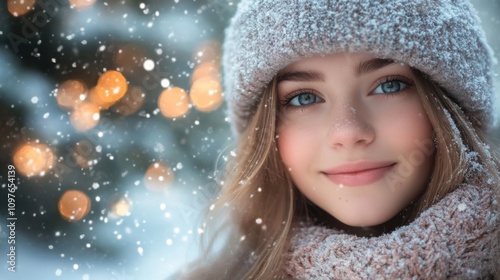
[(362, 149)]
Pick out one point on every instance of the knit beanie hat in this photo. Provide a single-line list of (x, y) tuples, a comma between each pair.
[(441, 38)]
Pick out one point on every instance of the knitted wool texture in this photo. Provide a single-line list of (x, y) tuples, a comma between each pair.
[(441, 38), (457, 238)]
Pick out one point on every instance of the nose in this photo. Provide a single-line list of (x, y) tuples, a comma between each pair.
[(350, 128)]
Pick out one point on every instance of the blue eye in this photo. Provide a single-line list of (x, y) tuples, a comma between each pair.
[(390, 87), (304, 99)]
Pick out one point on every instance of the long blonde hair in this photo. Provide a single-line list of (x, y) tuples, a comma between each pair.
[(258, 204)]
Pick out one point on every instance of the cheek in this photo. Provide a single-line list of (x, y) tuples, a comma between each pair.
[(296, 145), (410, 134), (287, 146), (406, 124)]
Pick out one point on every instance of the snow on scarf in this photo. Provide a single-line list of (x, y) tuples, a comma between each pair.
[(457, 238)]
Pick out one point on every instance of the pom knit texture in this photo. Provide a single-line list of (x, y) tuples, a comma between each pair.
[(457, 238), (441, 38)]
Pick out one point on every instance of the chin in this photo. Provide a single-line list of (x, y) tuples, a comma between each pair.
[(362, 223), (364, 220)]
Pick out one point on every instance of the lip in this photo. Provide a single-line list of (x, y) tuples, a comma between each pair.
[(358, 173)]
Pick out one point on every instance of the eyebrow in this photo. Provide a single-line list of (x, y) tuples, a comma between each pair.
[(371, 65), (301, 76)]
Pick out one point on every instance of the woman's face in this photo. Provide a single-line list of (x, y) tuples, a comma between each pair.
[(354, 135)]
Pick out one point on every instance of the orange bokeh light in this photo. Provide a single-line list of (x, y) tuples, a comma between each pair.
[(131, 102), (206, 94), (33, 159), (74, 205), (95, 97), (119, 206), (173, 102), (158, 176), (79, 4), (111, 86), (85, 116), (206, 69), (71, 93), (20, 7)]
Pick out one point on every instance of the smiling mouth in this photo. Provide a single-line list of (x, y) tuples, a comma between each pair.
[(358, 174)]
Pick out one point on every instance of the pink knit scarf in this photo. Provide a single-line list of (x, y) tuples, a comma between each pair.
[(457, 238)]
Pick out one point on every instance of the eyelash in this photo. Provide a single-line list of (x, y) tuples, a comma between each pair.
[(395, 78), (285, 103)]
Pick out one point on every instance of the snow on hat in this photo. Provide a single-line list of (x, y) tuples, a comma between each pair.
[(441, 38)]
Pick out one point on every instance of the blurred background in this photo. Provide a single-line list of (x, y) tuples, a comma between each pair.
[(112, 114)]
